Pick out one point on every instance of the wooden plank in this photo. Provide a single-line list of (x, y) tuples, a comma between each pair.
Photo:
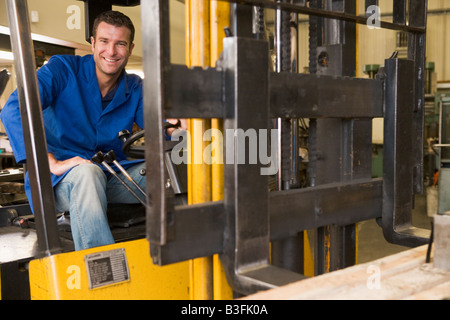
[(401, 276)]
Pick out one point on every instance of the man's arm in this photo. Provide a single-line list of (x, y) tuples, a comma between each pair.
[(60, 167), (49, 83)]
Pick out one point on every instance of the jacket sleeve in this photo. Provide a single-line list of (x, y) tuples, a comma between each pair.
[(10, 117), (137, 91), (10, 114), (140, 113)]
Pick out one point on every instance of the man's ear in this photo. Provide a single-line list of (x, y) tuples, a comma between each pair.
[(131, 48), (92, 43)]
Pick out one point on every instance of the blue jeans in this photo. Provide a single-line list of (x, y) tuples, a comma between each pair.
[(85, 192)]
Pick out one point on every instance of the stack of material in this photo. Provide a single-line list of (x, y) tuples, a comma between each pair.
[(401, 276)]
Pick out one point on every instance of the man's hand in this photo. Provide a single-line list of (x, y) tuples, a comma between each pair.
[(60, 167), (183, 125)]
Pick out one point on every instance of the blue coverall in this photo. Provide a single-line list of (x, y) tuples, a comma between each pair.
[(75, 122)]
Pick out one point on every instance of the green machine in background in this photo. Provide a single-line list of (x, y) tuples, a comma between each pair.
[(436, 141), (371, 70), (443, 151)]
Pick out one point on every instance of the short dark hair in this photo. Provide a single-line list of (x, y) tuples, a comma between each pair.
[(114, 18)]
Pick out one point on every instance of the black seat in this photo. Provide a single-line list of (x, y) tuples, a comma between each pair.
[(127, 221)]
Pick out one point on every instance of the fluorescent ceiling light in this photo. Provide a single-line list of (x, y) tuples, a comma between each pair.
[(6, 55)]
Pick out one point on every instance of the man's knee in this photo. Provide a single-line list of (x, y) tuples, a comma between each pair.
[(90, 173)]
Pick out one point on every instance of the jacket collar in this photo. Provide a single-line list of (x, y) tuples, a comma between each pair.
[(122, 88), (121, 93)]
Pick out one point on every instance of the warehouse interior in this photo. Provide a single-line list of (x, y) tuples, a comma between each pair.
[(360, 111)]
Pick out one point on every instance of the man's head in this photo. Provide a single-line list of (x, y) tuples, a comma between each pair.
[(112, 42), (115, 18)]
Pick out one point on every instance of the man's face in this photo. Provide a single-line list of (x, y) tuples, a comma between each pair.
[(111, 49)]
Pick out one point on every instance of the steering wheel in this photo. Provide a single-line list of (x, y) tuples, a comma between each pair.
[(128, 147), (138, 152)]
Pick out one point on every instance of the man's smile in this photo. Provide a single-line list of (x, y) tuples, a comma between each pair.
[(111, 60)]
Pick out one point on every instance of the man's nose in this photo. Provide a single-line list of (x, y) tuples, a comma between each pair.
[(111, 49)]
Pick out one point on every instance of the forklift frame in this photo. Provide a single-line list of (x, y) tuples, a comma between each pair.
[(243, 92)]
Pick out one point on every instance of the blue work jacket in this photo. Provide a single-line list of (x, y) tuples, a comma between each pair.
[(74, 119)]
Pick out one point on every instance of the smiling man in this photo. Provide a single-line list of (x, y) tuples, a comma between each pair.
[(112, 44), (86, 101)]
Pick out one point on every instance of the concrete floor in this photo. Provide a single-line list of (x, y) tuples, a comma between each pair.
[(371, 242)]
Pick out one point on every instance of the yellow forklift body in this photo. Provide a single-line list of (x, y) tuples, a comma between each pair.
[(101, 274)]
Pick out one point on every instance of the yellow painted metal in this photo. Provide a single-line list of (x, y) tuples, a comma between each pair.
[(205, 21), (200, 162), (308, 263), (201, 269), (219, 19), (197, 54), (64, 276), (198, 33), (201, 279), (222, 290), (199, 171)]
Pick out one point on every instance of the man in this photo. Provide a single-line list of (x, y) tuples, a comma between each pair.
[(86, 101)]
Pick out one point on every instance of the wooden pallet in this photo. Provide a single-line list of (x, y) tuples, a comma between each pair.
[(401, 276)]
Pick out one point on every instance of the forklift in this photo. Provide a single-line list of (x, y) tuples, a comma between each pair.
[(239, 231)]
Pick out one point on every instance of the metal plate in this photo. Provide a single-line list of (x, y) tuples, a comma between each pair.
[(106, 268)]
